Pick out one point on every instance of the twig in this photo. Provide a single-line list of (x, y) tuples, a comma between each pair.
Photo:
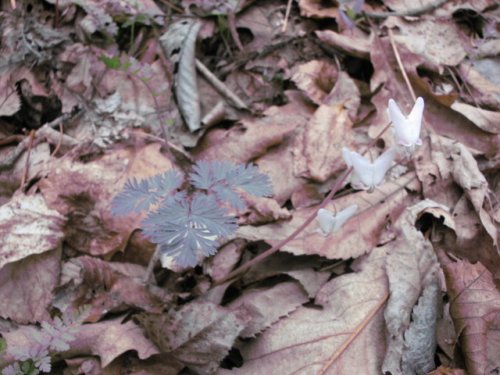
[(231, 22), (355, 333), (220, 86), (287, 15), (401, 66), (406, 13), (27, 164), (151, 265)]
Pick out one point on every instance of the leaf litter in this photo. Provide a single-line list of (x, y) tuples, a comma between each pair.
[(190, 109)]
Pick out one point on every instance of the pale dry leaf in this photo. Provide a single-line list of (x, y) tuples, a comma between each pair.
[(315, 78), (9, 98), (109, 339), (84, 192), (327, 340), (28, 226), (105, 287), (439, 43), (301, 268), (254, 136), (319, 147), (267, 305), (474, 306), (420, 338), (354, 45), (358, 235), (180, 43), (411, 267), (27, 285), (316, 9), (488, 121), (199, 335)]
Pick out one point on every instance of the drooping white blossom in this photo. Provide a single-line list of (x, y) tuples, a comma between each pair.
[(406, 128), (330, 222), (367, 175)]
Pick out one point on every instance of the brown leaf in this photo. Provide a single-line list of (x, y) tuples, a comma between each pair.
[(27, 285), (316, 78), (28, 226), (327, 131), (488, 121), (327, 340), (358, 235), (474, 306), (412, 270), (199, 335), (105, 287), (354, 45), (84, 192), (179, 42), (253, 137), (439, 43), (267, 305)]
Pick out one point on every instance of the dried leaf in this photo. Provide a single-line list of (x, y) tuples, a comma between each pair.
[(327, 340), (180, 43), (439, 43), (267, 305), (325, 133), (412, 269), (355, 45), (199, 335), (28, 226), (316, 78), (486, 120), (9, 98), (474, 306), (358, 235), (26, 286)]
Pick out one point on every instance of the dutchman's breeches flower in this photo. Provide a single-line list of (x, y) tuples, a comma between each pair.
[(366, 175), (406, 129)]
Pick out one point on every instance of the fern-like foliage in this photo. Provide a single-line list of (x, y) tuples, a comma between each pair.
[(188, 224)]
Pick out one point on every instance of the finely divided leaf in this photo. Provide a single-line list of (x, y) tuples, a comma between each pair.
[(223, 178), (140, 195), (189, 230)]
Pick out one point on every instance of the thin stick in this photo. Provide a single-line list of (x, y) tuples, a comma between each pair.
[(357, 331), (27, 164), (407, 13), (220, 86), (151, 265), (287, 15), (401, 66)]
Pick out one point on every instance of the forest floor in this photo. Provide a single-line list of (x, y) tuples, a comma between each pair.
[(249, 187)]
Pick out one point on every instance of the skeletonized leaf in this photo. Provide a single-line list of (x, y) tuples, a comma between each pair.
[(180, 43)]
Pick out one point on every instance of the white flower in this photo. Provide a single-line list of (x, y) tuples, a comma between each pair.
[(330, 222), (407, 129), (366, 175)]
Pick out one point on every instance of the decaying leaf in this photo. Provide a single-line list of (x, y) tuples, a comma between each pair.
[(28, 226), (199, 335), (358, 235), (474, 308), (180, 43), (327, 340), (268, 305), (412, 269)]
